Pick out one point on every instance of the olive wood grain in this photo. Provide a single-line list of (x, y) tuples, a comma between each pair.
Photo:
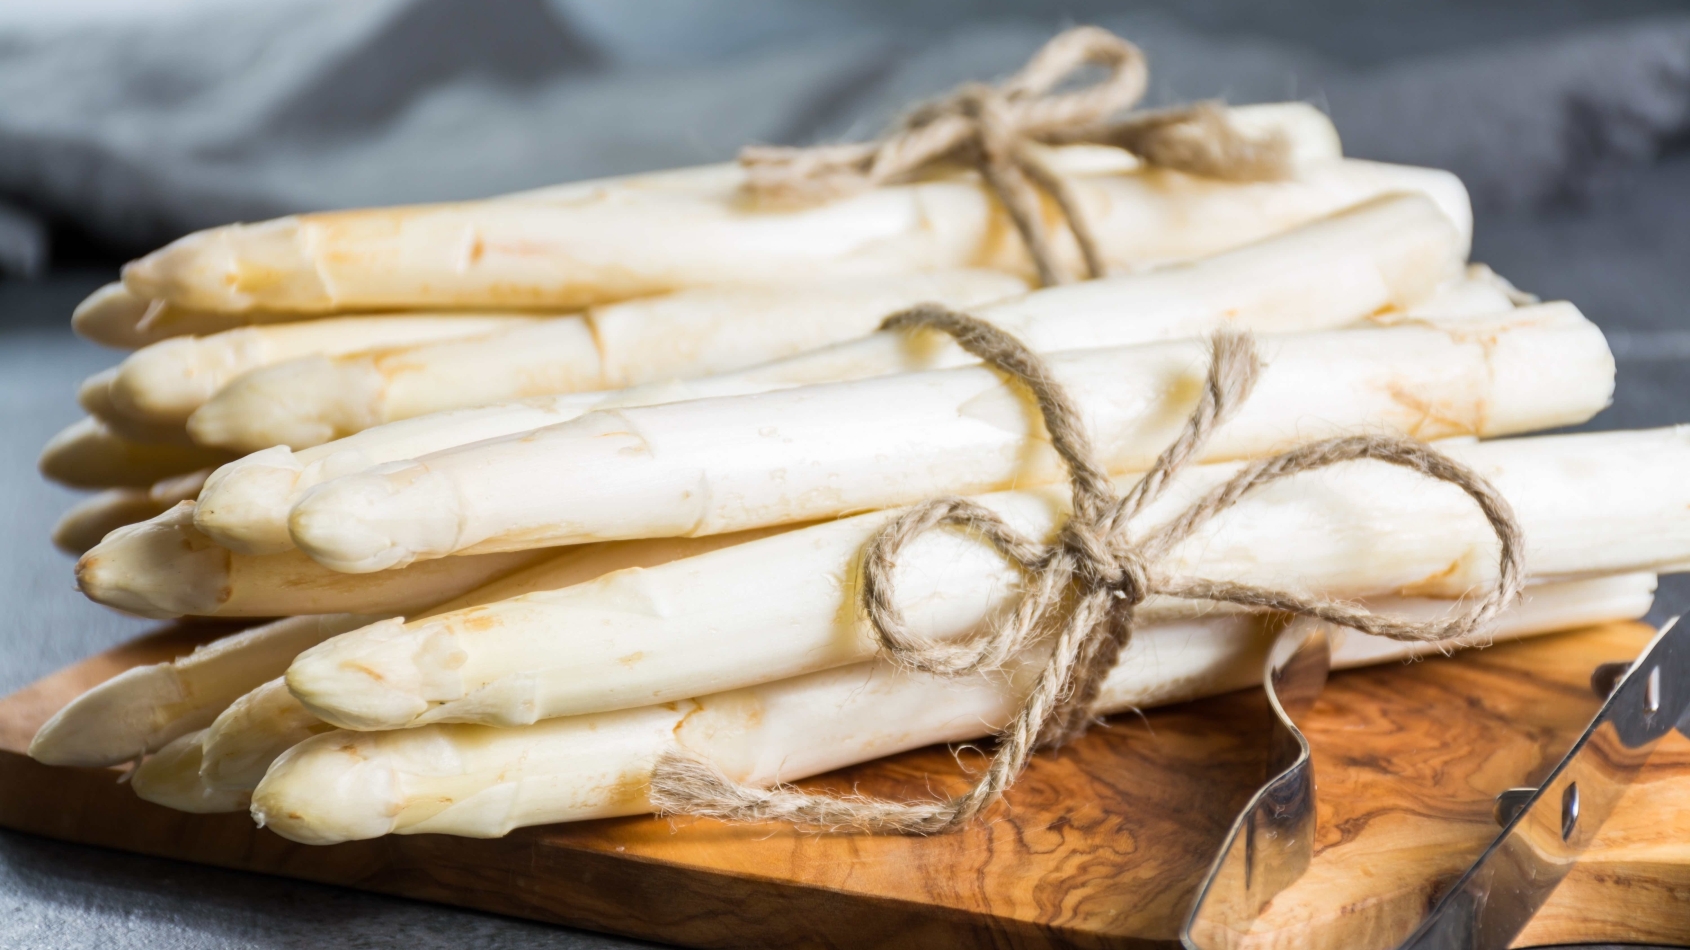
[(1100, 845)]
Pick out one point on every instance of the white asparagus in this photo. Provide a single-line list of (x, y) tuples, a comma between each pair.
[(615, 239), (89, 521), (484, 781), (690, 627), (94, 396), (265, 723), (164, 567), (171, 777), (145, 707), (1379, 258), (1471, 295), (112, 316), (247, 736), (165, 382), (688, 333), (240, 744), (729, 464), (88, 454)]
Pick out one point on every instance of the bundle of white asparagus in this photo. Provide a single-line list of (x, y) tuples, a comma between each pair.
[(309, 329), (548, 487)]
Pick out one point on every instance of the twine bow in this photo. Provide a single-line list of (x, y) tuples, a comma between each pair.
[(1082, 589), (992, 128)]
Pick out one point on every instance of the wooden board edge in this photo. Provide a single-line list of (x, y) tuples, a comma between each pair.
[(520, 875)]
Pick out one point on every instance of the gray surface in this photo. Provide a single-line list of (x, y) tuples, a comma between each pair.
[(1562, 137)]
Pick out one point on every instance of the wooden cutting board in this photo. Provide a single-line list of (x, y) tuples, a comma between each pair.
[(1102, 844)]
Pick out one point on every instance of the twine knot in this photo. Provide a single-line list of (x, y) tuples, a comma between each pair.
[(1081, 591), (994, 128)]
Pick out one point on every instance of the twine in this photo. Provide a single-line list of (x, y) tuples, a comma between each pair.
[(993, 128), (1083, 588)]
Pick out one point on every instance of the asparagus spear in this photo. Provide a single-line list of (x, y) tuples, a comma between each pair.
[(88, 454), (171, 777), (245, 738), (87, 523), (1378, 258), (240, 744), (112, 316), (309, 401), (143, 708), (165, 382), (603, 241), (689, 627), (259, 727), (483, 781), (94, 396), (729, 464), (165, 568)]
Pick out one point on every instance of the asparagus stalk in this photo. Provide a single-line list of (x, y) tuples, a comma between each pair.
[(253, 732), (245, 738), (87, 523), (88, 454), (1379, 258), (718, 465), (165, 382), (259, 727), (309, 401), (171, 777), (688, 627), (94, 396), (112, 316), (145, 707), (164, 567), (1477, 293), (602, 241), (142, 709), (484, 781)]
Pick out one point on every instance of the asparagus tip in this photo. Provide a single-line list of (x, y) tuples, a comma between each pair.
[(244, 504), (363, 680), (159, 568), (171, 777), (386, 517), (330, 788)]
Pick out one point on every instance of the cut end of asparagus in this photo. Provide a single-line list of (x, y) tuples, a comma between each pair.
[(159, 568), (234, 269), (329, 789), (171, 777), (359, 680), (1309, 131), (113, 723), (299, 403), (384, 518), (244, 505)]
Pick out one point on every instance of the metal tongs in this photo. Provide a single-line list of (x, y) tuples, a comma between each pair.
[(1544, 829)]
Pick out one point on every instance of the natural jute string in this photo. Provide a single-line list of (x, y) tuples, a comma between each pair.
[(1082, 589), (992, 128)]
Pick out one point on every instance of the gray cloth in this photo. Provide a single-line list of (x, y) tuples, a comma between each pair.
[(1563, 134), (229, 113)]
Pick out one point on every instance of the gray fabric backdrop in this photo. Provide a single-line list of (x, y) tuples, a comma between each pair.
[(1566, 119)]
